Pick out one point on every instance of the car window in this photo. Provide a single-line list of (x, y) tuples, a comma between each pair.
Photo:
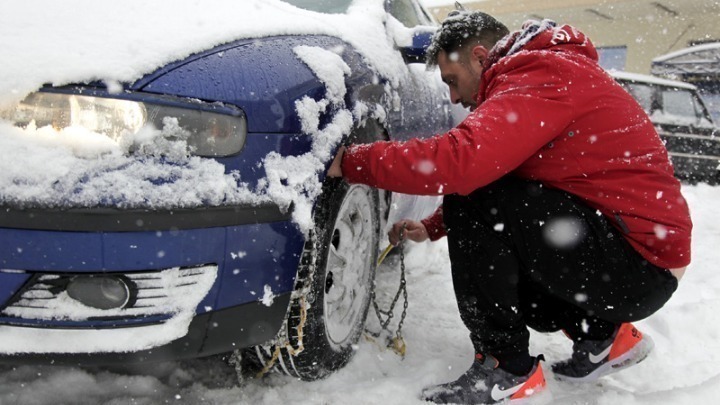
[(670, 104), (712, 101), (643, 94), (405, 12), (679, 103), (322, 6)]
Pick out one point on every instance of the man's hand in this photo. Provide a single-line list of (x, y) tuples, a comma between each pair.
[(335, 169), (414, 230)]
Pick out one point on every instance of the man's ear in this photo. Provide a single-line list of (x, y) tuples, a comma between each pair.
[(479, 54)]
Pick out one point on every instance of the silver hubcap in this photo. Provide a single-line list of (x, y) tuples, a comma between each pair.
[(349, 265)]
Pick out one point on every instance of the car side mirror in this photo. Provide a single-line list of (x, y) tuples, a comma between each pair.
[(414, 48)]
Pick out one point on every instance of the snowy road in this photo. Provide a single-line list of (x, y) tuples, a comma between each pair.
[(683, 369)]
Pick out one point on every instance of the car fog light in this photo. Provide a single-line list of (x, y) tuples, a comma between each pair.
[(102, 292)]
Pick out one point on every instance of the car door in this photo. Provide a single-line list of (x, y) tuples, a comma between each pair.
[(689, 134)]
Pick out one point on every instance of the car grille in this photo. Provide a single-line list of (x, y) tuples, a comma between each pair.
[(167, 292)]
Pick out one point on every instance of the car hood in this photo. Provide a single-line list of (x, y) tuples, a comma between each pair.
[(71, 44)]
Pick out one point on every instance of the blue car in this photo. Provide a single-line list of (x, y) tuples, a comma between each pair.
[(117, 278)]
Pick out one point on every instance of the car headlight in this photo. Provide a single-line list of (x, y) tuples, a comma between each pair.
[(211, 133)]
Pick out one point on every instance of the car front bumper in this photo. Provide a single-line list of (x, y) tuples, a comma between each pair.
[(208, 334), (253, 252)]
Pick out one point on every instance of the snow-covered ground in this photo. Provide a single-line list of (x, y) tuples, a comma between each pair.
[(683, 369)]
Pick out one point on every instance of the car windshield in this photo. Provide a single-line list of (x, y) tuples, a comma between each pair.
[(322, 6)]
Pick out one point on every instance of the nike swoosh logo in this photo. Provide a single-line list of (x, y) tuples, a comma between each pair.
[(497, 394), (595, 359)]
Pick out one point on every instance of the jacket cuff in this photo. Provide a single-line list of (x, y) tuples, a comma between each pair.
[(355, 164), (434, 225)]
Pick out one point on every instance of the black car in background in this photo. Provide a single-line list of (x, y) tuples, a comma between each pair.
[(683, 122)]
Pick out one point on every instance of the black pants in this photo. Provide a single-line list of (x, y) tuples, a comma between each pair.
[(524, 255)]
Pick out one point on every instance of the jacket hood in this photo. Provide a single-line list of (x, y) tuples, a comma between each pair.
[(536, 35), (542, 35)]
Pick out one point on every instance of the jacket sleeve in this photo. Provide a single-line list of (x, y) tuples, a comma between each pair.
[(526, 109)]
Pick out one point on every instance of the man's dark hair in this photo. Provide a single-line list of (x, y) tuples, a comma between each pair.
[(464, 28)]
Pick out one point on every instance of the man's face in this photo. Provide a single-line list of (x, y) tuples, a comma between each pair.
[(462, 71)]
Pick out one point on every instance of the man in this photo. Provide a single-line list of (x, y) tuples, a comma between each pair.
[(560, 205)]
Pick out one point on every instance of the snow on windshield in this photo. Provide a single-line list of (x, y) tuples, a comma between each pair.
[(79, 41)]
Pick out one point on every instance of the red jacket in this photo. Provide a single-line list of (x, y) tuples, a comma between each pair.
[(547, 112)]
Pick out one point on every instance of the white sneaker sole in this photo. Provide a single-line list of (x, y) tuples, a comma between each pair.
[(632, 357)]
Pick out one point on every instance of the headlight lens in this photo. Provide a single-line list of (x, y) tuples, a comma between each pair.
[(211, 133)]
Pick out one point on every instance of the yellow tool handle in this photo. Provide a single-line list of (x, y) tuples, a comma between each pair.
[(384, 254)]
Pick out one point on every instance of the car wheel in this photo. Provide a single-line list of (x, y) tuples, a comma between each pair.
[(333, 288)]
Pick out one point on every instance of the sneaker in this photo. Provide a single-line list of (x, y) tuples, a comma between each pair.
[(485, 383), (592, 359)]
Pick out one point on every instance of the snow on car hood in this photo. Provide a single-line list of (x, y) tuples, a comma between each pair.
[(78, 41)]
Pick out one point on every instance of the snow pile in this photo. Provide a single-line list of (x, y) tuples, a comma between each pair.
[(169, 142), (24, 340), (50, 168), (329, 67), (268, 297)]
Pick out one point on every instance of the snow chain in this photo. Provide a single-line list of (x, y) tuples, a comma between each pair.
[(286, 344), (282, 341), (397, 343)]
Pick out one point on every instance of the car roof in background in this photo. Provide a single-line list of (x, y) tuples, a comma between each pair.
[(684, 51), (641, 78)]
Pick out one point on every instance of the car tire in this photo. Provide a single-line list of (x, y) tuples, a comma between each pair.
[(334, 283)]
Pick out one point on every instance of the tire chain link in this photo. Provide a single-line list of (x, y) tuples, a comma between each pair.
[(397, 343)]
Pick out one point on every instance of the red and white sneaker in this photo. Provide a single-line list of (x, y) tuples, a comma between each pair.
[(592, 359), (485, 383)]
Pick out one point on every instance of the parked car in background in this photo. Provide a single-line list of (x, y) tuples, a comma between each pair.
[(112, 277), (683, 122)]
